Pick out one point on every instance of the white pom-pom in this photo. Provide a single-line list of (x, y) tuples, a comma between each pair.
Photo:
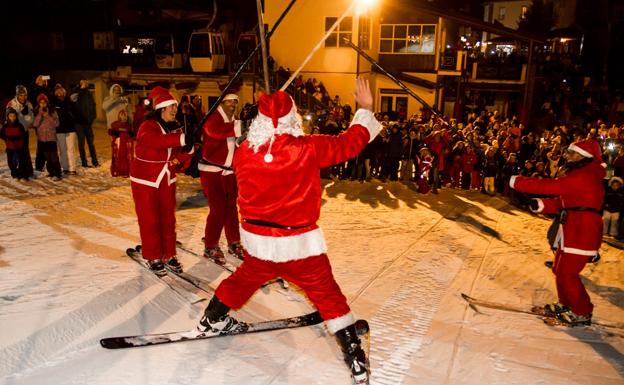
[(268, 158)]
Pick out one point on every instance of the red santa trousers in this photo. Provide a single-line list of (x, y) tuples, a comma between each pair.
[(155, 209), (221, 192), (570, 289), (313, 275)]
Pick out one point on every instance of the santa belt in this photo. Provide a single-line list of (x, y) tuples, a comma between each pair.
[(259, 222), (563, 214), (222, 167)]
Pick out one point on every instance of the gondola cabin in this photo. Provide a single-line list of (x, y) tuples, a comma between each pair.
[(170, 51), (206, 52)]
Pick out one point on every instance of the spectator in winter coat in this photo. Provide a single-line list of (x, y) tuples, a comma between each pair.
[(84, 108), (66, 131), (14, 136), (613, 205), (468, 162), (490, 170), (618, 163), (45, 123), (26, 116)]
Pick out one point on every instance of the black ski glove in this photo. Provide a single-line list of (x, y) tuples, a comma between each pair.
[(534, 205)]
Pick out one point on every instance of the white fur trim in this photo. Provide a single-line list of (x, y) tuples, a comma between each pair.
[(573, 250), (284, 249), (182, 142), (512, 181), (367, 119), (231, 145), (338, 323), (575, 148), (165, 103), (230, 97), (208, 168), (224, 115), (237, 128)]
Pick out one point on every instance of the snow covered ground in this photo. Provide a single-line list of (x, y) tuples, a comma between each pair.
[(401, 258)]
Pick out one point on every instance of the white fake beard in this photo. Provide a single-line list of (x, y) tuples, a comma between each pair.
[(261, 129)]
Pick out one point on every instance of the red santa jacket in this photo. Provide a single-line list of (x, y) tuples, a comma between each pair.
[(157, 155), (219, 141), (582, 232), (287, 191)]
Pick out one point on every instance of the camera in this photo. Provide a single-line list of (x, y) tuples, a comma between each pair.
[(45, 77)]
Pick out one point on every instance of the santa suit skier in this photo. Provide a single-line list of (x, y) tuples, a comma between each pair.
[(279, 199), (218, 181), (162, 149), (577, 198)]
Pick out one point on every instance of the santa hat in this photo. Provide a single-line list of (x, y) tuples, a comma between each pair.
[(161, 98), (277, 114), (41, 97), (588, 148)]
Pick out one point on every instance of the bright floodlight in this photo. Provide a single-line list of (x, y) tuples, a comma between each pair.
[(364, 5)]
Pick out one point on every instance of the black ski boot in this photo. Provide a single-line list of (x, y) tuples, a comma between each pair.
[(216, 319), (354, 355), (174, 264), (157, 266)]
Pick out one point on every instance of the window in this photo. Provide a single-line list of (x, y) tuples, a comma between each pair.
[(501, 13), (344, 30), (523, 12), (364, 32), (407, 38)]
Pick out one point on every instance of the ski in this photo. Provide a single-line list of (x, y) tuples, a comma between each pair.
[(199, 283), (167, 279), (192, 335), (538, 311), (229, 267)]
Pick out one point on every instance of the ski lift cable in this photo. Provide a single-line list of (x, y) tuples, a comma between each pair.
[(318, 45), (245, 63)]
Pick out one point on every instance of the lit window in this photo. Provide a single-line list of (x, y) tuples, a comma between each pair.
[(364, 32), (501, 13), (344, 30), (407, 38)]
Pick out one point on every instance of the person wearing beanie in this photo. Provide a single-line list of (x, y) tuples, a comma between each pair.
[(45, 123), (14, 136), (279, 197), (577, 197), (162, 149), (219, 134), (25, 116)]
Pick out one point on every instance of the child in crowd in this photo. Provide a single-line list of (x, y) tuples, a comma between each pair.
[(613, 205), (14, 136), (122, 145), (45, 123)]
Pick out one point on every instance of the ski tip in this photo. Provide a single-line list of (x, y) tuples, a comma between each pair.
[(112, 343), (138, 248), (466, 296), (130, 251)]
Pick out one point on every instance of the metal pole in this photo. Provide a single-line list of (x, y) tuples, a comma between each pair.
[(263, 45), (317, 46), (245, 63), (392, 77)]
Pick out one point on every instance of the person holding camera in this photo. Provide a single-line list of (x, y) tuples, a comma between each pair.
[(577, 198), (46, 123)]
